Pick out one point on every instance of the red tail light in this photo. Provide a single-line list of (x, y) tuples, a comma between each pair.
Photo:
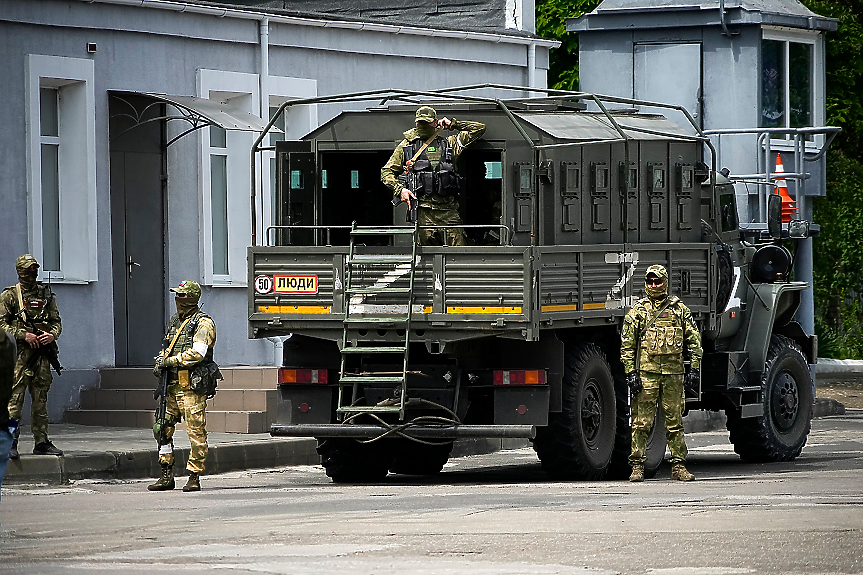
[(287, 375), (519, 377)]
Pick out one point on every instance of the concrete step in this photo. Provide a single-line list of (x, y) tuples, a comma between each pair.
[(217, 421), (241, 377), (140, 399)]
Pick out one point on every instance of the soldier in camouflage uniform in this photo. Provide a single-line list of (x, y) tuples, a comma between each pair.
[(656, 332), (39, 313), (434, 171), (193, 345)]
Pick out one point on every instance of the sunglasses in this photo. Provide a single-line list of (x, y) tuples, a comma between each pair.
[(654, 281)]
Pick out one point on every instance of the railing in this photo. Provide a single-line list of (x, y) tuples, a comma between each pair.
[(506, 232)]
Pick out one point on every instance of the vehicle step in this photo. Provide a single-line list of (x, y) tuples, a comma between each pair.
[(358, 349), (382, 289), (371, 379), (369, 409), (399, 319)]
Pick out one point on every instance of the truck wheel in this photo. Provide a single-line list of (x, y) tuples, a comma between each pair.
[(656, 444), (619, 467), (577, 443), (349, 461), (788, 394), (412, 458)]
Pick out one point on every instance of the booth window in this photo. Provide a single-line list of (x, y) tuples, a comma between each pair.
[(788, 80)]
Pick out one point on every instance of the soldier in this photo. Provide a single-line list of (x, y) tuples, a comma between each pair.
[(188, 345), (429, 160), (28, 311), (656, 332)]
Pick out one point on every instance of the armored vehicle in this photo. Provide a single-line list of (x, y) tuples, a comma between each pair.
[(398, 349)]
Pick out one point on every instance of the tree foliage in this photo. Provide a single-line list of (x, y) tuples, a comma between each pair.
[(551, 18)]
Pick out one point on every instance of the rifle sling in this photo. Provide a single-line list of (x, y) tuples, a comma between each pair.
[(410, 162), (177, 335)]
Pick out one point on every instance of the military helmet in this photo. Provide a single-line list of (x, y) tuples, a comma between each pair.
[(658, 271), (189, 287), (25, 261), (426, 114)]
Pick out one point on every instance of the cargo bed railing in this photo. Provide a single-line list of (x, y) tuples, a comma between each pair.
[(506, 231)]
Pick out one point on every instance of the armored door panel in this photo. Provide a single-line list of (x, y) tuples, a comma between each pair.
[(568, 216), (683, 196), (596, 202), (653, 201)]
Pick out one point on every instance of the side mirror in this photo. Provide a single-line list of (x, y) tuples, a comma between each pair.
[(774, 216)]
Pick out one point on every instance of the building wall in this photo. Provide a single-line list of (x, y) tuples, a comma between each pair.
[(161, 51)]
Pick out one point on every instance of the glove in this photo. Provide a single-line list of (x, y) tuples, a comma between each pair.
[(691, 382), (159, 366), (633, 380)]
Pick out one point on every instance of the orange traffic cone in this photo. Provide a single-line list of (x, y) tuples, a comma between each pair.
[(789, 206)]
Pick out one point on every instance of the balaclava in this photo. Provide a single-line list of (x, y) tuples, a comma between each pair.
[(660, 292), (28, 270)]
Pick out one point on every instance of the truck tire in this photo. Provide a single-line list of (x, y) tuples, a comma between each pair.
[(578, 442), (412, 458), (788, 394), (619, 467), (349, 461), (656, 444)]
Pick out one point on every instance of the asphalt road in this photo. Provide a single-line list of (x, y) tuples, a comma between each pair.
[(484, 515)]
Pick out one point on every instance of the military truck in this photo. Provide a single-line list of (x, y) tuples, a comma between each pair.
[(396, 350)]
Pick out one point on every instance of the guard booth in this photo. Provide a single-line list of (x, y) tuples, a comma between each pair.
[(752, 75)]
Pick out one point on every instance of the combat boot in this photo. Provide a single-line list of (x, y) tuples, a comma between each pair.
[(46, 448), (193, 484), (166, 481), (679, 472), (13, 453), (637, 474)]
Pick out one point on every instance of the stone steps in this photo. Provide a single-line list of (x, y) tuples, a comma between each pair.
[(246, 401)]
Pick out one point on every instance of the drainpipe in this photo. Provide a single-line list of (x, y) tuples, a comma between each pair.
[(722, 19), (531, 66), (278, 349), (264, 95)]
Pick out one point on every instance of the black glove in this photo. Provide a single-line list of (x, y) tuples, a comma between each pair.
[(691, 382), (633, 380)]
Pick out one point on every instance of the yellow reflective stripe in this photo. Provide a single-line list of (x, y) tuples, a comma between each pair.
[(294, 309), (427, 309), (483, 309), (562, 307), (594, 305)]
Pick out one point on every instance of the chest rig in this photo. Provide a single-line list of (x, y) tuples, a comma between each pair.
[(664, 335), (186, 337), (427, 179)]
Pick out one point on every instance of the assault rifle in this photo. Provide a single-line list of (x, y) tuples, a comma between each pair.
[(161, 394), (49, 351), (412, 208)]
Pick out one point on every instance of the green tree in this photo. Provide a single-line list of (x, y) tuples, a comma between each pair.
[(551, 18)]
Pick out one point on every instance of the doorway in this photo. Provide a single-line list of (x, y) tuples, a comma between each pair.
[(138, 218)]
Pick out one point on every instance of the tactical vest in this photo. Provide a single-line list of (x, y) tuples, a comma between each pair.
[(185, 339), (427, 179), (665, 335), (36, 302)]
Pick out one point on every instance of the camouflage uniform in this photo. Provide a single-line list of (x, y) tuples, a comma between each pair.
[(192, 346), (41, 310), (657, 354), (434, 209)]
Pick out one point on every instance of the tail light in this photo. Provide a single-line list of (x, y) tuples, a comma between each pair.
[(519, 377), (287, 375)]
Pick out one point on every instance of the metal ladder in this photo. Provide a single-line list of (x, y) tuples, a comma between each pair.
[(358, 321)]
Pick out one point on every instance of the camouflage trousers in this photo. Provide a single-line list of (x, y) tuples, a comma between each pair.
[(37, 381), (191, 407), (667, 389), (440, 217)]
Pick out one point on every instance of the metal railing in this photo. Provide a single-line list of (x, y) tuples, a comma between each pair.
[(506, 232)]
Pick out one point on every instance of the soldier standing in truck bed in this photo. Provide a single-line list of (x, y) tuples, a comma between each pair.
[(656, 332), (429, 161)]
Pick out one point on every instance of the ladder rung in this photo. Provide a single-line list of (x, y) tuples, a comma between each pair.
[(380, 259), (369, 409), (382, 289), (386, 320), (371, 378), (359, 349), (380, 231)]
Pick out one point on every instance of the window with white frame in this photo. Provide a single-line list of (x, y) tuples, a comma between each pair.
[(62, 166), (791, 79)]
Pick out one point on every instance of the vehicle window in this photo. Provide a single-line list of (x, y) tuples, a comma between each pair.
[(728, 212)]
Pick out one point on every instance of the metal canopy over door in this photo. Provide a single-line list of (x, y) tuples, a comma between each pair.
[(669, 73)]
